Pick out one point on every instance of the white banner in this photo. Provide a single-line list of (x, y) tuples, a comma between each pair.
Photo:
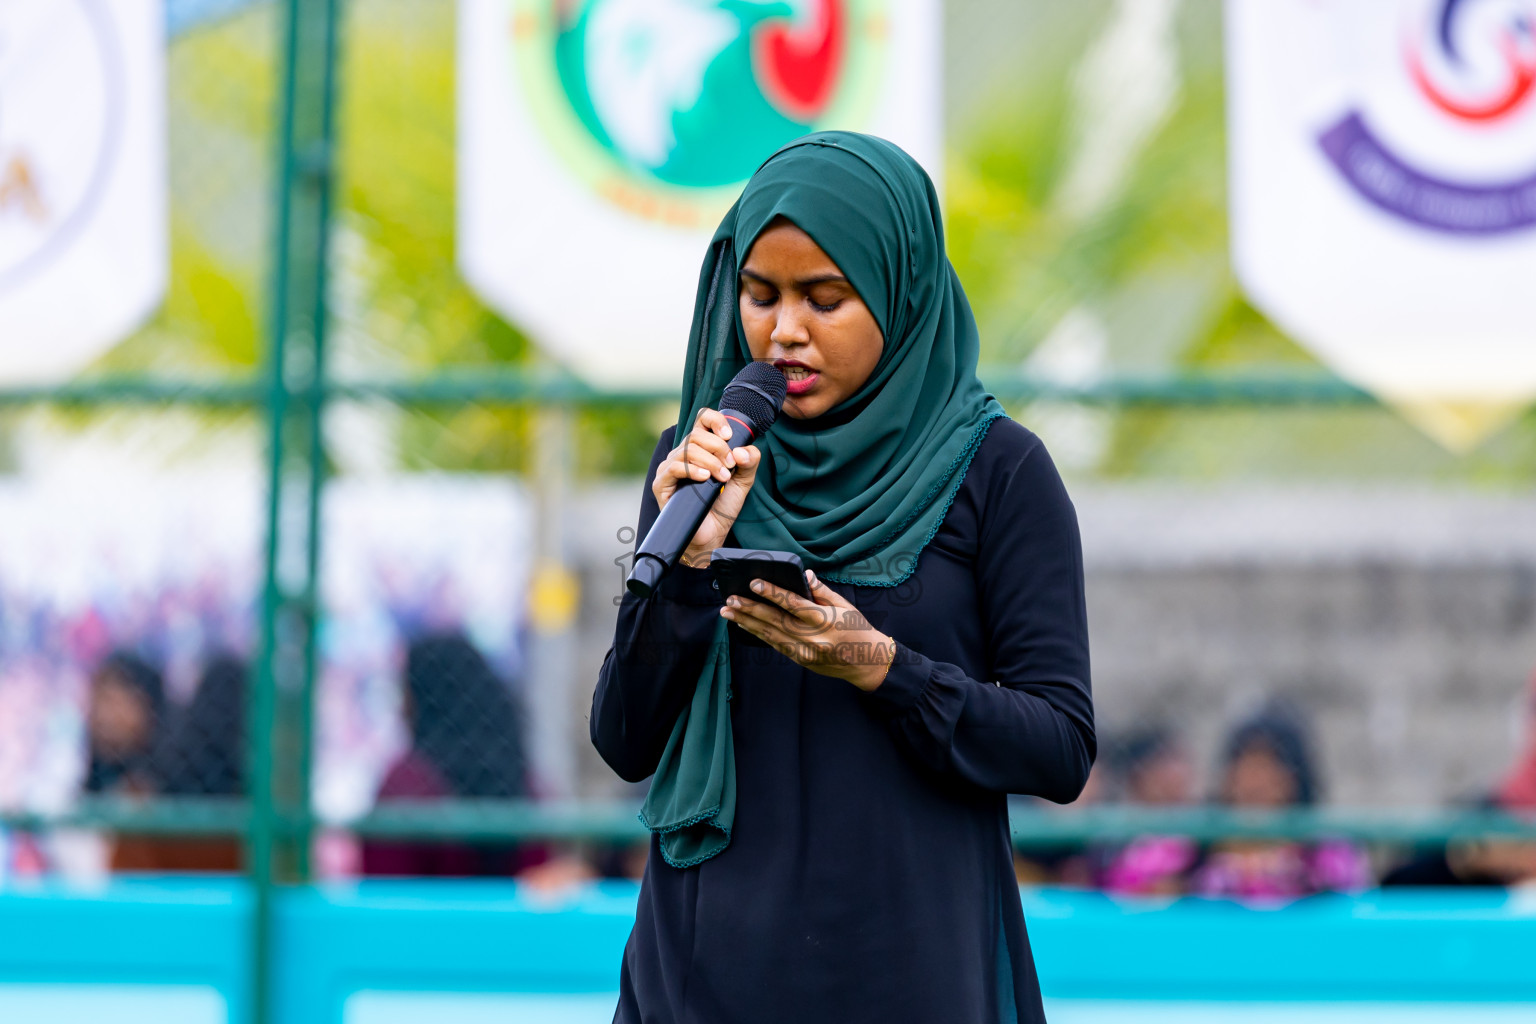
[(83, 248), (1383, 177), (600, 142)]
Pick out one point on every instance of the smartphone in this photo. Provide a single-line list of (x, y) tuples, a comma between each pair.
[(734, 570)]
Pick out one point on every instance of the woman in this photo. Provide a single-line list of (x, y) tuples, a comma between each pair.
[(124, 722), (127, 710), (1486, 862), (466, 742), (832, 837), (203, 756), (1267, 765), (1155, 772)]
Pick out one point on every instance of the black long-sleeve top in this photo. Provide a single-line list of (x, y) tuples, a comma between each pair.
[(869, 875)]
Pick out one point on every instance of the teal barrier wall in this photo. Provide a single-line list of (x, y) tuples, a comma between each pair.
[(172, 952), (161, 952)]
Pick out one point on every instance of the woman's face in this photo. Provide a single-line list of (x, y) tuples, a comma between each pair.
[(120, 718), (1166, 778), (1258, 778), (801, 314)]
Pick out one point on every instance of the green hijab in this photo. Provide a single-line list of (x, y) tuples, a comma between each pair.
[(859, 491)]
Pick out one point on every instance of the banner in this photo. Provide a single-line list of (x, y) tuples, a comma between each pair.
[(601, 141), (83, 247), (1383, 178)]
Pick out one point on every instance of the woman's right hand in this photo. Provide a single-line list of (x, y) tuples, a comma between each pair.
[(706, 453)]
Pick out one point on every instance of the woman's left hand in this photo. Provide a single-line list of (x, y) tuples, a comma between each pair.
[(826, 634)]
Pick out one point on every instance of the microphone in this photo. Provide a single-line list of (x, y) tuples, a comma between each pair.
[(751, 402)]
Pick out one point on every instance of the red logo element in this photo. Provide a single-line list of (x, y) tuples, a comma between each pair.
[(797, 65), (1517, 45)]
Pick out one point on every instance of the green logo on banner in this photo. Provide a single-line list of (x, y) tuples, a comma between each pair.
[(666, 106)]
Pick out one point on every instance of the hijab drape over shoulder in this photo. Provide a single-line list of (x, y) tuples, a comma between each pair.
[(858, 492)]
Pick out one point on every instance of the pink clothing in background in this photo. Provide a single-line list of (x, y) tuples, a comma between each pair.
[(1266, 871), (414, 777), (1150, 865)]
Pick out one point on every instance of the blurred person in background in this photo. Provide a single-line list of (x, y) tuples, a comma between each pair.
[(466, 743), (123, 725), (1517, 791), (125, 718), (1490, 862), (1268, 765), (203, 756), (1153, 769)]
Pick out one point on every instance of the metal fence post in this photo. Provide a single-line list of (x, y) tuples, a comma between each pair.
[(281, 700)]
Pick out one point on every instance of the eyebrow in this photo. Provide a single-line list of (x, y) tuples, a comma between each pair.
[(804, 282)]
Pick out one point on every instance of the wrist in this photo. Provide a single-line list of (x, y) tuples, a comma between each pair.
[(883, 656), (696, 558)]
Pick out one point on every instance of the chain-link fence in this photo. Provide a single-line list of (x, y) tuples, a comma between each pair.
[(310, 576), (132, 499)]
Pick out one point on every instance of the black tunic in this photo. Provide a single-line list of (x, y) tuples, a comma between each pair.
[(869, 876)]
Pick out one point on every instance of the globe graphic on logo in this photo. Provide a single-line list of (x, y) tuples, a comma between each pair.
[(1466, 41), (696, 93)]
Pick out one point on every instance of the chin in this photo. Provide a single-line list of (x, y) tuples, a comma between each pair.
[(803, 410)]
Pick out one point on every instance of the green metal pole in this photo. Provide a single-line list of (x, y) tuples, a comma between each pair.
[(281, 695), (260, 836), (314, 430)]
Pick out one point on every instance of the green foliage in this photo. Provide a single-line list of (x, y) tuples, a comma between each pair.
[(411, 309), (221, 91)]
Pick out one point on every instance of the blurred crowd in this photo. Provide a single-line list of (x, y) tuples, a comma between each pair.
[(461, 734), (1267, 763), (50, 649), (465, 733)]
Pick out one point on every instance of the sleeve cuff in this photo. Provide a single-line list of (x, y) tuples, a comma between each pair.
[(903, 684), (689, 586)]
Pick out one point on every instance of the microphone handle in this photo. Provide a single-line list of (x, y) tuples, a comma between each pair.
[(680, 520)]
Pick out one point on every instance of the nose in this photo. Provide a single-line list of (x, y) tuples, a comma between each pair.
[(790, 328)]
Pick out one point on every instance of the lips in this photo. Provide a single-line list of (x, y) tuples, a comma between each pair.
[(798, 377)]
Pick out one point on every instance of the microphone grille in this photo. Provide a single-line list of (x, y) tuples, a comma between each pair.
[(758, 391)]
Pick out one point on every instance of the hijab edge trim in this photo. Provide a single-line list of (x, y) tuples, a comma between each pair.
[(959, 467)]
